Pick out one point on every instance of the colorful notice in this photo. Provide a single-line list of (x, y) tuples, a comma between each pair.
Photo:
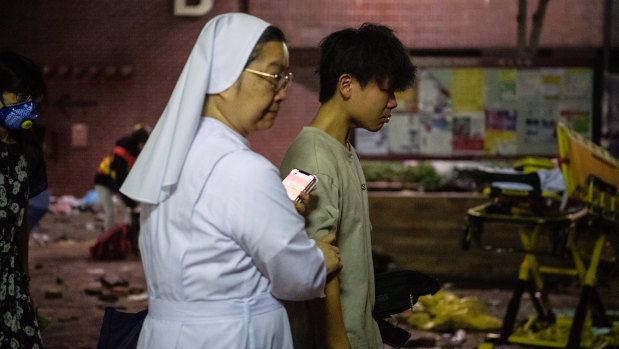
[(500, 136), (552, 82), (507, 84), (478, 111), (371, 143), (467, 89), (404, 134), (436, 136), (408, 101), (433, 96), (528, 83), (576, 116), (577, 83), (538, 123), (468, 133)]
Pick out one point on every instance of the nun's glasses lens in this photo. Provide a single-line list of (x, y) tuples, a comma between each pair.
[(278, 81)]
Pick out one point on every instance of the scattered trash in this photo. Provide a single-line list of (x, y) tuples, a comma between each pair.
[(422, 342), (557, 333), (113, 281), (43, 319), (95, 271), (138, 297), (39, 238), (52, 292), (64, 205), (114, 244), (113, 287), (459, 337), (108, 297), (90, 202), (93, 289), (70, 205), (444, 311)]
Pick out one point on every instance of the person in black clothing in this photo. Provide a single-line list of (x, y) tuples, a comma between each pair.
[(22, 176), (112, 173)]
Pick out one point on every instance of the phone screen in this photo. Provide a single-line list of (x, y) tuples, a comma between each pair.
[(298, 181)]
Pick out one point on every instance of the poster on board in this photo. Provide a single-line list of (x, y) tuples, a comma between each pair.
[(485, 112)]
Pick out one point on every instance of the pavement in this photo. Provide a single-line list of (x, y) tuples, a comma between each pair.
[(72, 291)]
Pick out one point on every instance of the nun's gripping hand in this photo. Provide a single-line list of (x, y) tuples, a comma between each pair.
[(333, 260), (303, 203)]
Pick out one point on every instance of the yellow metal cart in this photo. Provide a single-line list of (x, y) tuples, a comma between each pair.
[(591, 177)]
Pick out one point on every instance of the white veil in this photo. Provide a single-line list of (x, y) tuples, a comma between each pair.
[(215, 63)]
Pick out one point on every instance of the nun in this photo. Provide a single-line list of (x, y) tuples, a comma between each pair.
[(221, 243)]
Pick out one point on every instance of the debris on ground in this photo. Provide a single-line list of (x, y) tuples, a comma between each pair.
[(445, 311)]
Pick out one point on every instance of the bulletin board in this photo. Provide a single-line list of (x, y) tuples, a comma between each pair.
[(474, 108)]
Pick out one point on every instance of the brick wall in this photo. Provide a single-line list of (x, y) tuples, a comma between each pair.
[(437, 24), (146, 38)]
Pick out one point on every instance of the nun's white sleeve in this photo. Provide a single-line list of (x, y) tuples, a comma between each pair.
[(256, 213)]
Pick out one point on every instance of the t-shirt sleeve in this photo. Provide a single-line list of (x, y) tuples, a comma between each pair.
[(260, 217), (323, 214)]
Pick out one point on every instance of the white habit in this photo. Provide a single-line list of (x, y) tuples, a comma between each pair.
[(220, 240), (221, 247)]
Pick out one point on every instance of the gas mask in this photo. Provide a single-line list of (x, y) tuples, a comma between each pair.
[(18, 116)]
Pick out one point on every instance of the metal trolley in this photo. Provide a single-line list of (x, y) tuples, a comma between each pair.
[(588, 205)]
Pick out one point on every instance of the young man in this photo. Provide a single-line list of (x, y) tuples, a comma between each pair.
[(360, 70)]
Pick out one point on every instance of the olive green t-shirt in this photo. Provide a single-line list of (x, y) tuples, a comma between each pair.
[(339, 204)]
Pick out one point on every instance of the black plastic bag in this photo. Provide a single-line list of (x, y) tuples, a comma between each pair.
[(120, 330)]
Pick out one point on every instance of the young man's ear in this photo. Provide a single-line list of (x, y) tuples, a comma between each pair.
[(344, 85)]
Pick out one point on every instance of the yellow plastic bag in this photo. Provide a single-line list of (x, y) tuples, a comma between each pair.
[(446, 311)]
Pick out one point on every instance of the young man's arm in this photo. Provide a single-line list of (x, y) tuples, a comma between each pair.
[(335, 331), (322, 217)]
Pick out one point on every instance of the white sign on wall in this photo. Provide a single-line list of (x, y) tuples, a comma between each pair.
[(181, 8)]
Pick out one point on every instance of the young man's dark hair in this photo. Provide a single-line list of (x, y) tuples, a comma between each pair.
[(371, 52)]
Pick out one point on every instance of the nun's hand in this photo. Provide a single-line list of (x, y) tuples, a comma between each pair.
[(333, 261), (303, 203)]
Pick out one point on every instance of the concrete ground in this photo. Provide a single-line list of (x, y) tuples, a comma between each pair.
[(72, 291)]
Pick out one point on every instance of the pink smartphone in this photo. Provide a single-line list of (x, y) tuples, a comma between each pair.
[(299, 181)]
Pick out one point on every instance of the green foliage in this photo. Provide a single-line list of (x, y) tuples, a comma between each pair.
[(376, 171), (423, 174)]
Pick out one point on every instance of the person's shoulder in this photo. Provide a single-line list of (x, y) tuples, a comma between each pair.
[(123, 141), (311, 134), (245, 161), (311, 142), (247, 170), (312, 151)]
